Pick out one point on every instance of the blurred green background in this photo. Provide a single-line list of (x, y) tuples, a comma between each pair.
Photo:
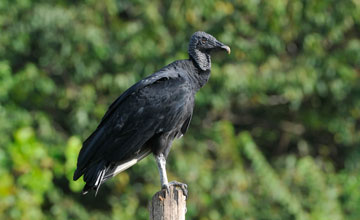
[(275, 134)]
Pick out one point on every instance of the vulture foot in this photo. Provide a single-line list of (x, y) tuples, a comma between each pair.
[(183, 187)]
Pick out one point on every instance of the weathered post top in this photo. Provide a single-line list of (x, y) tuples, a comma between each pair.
[(168, 205)]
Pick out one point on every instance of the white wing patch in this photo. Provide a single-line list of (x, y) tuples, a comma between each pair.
[(127, 164)]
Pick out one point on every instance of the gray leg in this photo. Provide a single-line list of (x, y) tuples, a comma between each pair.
[(161, 162)]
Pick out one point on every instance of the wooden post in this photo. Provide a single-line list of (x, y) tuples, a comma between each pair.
[(168, 205)]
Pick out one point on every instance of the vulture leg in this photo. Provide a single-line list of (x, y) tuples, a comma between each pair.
[(161, 162)]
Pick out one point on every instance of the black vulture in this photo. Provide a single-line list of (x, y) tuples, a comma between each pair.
[(147, 117)]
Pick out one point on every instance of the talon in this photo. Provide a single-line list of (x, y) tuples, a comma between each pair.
[(183, 187), (167, 187)]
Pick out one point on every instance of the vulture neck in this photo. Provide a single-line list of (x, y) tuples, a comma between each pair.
[(202, 66), (201, 59)]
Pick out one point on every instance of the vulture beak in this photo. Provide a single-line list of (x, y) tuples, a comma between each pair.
[(222, 46), (227, 48)]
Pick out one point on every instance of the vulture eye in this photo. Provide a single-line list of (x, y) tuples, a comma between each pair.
[(203, 40)]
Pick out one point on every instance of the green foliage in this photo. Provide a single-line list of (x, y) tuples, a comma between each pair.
[(275, 133)]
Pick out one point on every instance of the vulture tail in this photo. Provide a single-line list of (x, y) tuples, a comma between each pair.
[(91, 147), (94, 177)]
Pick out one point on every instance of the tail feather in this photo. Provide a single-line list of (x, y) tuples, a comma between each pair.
[(94, 177), (86, 189), (99, 181), (77, 174), (89, 149), (98, 173)]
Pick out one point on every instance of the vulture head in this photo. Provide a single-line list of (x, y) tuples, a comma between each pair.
[(200, 46)]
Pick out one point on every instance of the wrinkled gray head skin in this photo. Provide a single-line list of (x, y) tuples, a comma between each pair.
[(200, 46)]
